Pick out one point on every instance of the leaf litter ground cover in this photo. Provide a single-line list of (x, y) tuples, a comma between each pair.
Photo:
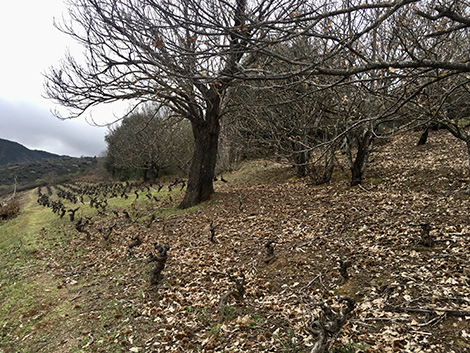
[(287, 240)]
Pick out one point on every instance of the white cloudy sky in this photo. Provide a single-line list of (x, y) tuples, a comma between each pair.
[(30, 44)]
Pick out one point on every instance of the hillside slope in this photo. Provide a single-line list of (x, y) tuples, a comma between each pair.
[(15, 153), (65, 288), (47, 170)]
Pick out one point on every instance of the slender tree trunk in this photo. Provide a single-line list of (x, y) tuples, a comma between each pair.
[(467, 142), (329, 165), (424, 137), (201, 173), (146, 174), (301, 164), (456, 132), (364, 143), (154, 172)]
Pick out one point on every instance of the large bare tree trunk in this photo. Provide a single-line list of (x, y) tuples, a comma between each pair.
[(201, 173)]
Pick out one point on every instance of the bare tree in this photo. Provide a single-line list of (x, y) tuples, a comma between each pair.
[(181, 53), (149, 141), (387, 73), (286, 119)]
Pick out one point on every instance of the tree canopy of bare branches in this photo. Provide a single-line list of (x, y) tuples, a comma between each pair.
[(187, 55), (147, 142)]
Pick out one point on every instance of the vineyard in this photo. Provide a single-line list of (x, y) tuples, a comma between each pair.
[(270, 264)]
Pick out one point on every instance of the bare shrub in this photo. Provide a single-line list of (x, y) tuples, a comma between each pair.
[(9, 209)]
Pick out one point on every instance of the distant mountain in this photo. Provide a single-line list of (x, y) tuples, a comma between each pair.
[(15, 153)]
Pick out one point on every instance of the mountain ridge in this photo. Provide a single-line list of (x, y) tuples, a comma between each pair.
[(15, 153)]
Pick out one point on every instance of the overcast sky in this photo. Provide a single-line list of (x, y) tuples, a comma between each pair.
[(30, 45)]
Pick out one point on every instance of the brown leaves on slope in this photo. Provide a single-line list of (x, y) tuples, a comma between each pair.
[(407, 295)]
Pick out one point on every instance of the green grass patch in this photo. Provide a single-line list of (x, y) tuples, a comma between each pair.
[(28, 301), (28, 305), (26, 227), (260, 171), (374, 181), (349, 348), (464, 122), (257, 320)]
